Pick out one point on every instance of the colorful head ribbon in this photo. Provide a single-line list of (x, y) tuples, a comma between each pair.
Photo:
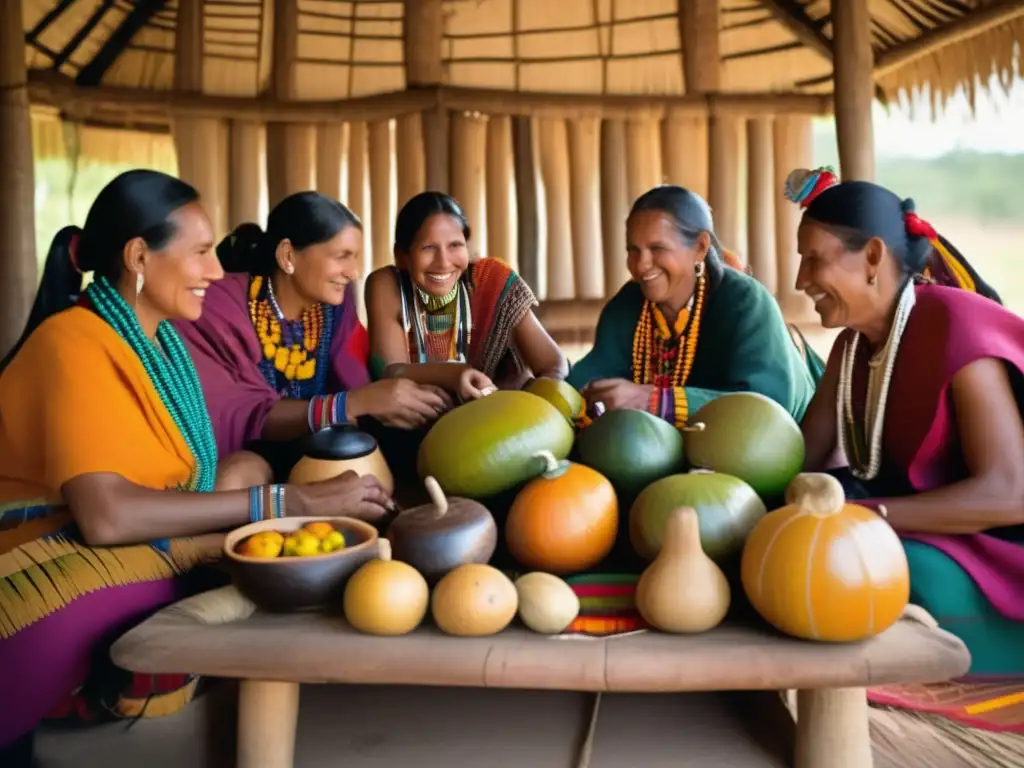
[(802, 185), (949, 268)]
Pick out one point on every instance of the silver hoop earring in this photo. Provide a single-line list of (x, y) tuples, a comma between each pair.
[(698, 269)]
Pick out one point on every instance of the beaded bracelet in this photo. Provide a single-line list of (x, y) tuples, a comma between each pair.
[(266, 502), (327, 410)]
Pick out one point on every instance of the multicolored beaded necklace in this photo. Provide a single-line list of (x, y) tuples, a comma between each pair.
[(662, 356), (295, 352), (441, 326), (170, 368)]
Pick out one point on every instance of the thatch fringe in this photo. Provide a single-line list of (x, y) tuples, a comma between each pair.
[(56, 139)]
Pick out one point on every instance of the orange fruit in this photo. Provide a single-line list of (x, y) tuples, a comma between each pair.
[(265, 544), (319, 528)]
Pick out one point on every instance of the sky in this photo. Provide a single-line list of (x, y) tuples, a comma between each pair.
[(996, 126)]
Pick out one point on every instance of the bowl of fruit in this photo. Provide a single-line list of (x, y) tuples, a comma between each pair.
[(298, 563)]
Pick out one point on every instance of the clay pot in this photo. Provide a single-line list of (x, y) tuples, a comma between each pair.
[(338, 449), (286, 584), (438, 537)]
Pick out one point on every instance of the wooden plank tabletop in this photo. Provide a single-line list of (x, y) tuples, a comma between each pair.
[(319, 648)]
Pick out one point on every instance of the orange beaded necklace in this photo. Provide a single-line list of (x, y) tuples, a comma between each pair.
[(655, 359)]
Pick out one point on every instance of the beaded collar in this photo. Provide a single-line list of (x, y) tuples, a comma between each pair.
[(170, 368), (415, 319), (434, 303), (662, 356), (295, 352)]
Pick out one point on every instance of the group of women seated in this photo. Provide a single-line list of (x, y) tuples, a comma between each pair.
[(146, 414)]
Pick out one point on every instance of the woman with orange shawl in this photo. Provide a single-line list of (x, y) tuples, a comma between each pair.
[(109, 479), (437, 318)]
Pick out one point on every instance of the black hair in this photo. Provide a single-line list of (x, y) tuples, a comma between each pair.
[(691, 214), (136, 203), (857, 211), (304, 219), (421, 207)]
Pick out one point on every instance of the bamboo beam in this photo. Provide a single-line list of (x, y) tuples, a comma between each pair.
[(467, 174), (793, 16), (976, 22), (382, 213), (615, 204), (422, 42), (500, 185), (135, 105), (854, 88), (527, 202)]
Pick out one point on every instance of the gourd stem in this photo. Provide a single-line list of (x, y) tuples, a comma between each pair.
[(383, 549), (701, 471), (698, 426), (551, 464), (437, 497)]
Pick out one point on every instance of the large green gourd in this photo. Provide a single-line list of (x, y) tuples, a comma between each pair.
[(632, 449), (751, 437), (727, 509), (488, 446)]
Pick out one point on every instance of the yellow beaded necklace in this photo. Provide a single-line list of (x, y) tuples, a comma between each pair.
[(651, 343), (297, 361)]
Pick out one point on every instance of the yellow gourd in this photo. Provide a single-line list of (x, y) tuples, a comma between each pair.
[(683, 591), (546, 603), (385, 596), (474, 600)]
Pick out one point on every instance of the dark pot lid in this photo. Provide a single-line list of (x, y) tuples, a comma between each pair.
[(342, 442)]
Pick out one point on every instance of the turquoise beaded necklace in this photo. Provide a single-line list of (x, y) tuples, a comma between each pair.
[(173, 375)]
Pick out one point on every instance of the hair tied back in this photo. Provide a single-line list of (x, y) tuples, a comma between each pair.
[(803, 185)]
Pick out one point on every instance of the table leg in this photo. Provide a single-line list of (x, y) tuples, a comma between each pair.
[(268, 714), (832, 729)]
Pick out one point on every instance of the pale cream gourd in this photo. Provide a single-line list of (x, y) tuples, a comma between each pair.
[(386, 597), (683, 590), (546, 603), (474, 600), (309, 470)]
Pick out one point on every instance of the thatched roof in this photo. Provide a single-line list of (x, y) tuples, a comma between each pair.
[(355, 48)]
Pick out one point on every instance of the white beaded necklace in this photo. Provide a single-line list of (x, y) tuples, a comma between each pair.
[(879, 377)]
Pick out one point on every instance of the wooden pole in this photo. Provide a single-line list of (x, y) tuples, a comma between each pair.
[(422, 42), (382, 215), (17, 214), (585, 197), (684, 151), (412, 169), (248, 171), (615, 204), (553, 150), (794, 147), (358, 198), (761, 201), (467, 174), (436, 124), (331, 146), (854, 89), (643, 156), (527, 207), (726, 146), (501, 230)]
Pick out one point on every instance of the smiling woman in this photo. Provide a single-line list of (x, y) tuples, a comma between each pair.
[(687, 329), (279, 349)]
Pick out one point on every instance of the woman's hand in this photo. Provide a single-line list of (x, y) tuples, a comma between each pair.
[(398, 403), (617, 394), (348, 494), (473, 385)]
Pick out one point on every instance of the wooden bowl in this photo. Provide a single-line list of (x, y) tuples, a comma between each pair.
[(335, 450), (286, 584)]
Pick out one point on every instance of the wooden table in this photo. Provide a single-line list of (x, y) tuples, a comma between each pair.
[(273, 654)]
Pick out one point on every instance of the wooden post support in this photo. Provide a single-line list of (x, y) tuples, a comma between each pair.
[(527, 208), (381, 212), (615, 204), (553, 151), (436, 147), (854, 89), (794, 144), (643, 155), (501, 230), (761, 201), (331, 146), (423, 41), (585, 198), (358, 198), (248, 170), (17, 214), (684, 151), (726, 146), (268, 714), (412, 169), (832, 729), (468, 158)]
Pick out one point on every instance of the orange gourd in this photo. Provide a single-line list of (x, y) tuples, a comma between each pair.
[(564, 521), (822, 569)]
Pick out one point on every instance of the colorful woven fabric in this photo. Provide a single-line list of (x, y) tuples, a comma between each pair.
[(990, 706), (607, 604)]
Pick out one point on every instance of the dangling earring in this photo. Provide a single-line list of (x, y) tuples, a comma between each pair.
[(289, 269), (139, 282), (698, 269), (872, 279)]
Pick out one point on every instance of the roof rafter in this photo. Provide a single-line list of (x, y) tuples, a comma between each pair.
[(808, 31), (79, 37), (143, 10)]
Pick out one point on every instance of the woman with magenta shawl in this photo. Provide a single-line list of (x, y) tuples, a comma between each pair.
[(280, 350), (923, 393)]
